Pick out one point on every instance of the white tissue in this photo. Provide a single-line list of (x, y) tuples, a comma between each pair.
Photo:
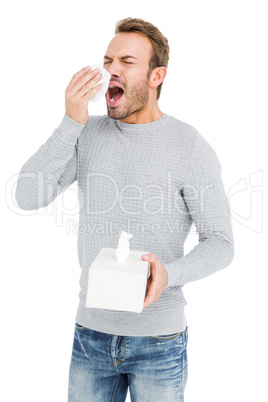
[(105, 79), (122, 251)]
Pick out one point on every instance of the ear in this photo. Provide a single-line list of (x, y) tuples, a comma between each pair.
[(157, 76)]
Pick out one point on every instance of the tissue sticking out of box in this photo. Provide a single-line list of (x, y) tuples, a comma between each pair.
[(122, 251)]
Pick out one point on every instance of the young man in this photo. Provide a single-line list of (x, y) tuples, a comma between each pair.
[(145, 172)]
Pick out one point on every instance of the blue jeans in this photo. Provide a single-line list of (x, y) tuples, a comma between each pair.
[(103, 366)]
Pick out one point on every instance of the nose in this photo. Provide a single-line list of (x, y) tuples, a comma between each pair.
[(114, 68)]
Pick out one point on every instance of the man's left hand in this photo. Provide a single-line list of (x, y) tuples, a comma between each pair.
[(157, 280)]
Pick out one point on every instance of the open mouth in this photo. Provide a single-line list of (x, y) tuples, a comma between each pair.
[(114, 94)]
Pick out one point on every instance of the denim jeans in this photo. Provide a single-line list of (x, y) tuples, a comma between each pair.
[(103, 366)]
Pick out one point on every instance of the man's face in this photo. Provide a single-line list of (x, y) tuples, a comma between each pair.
[(127, 60)]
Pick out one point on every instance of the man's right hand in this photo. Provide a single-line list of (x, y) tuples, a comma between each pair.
[(79, 92)]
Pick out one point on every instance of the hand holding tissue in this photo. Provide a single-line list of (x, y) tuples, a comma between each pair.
[(105, 79), (117, 278)]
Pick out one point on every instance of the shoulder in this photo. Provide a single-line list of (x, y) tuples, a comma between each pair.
[(201, 154), (183, 131), (198, 142), (96, 125), (98, 121)]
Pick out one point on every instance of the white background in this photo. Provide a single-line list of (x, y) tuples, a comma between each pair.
[(217, 82)]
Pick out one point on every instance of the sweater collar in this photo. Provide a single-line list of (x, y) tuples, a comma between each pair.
[(141, 127)]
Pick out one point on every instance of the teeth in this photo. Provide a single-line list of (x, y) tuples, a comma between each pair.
[(112, 99)]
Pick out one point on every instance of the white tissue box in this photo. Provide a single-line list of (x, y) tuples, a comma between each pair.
[(117, 286)]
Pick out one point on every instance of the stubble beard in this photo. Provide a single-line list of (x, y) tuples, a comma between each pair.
[(136, 99)]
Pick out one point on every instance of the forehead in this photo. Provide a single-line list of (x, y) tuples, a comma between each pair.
[(131, 44)]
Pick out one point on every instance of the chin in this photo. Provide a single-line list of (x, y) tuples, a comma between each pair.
[(112, 114), (115, 113)]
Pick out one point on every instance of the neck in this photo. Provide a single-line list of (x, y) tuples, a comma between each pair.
[(146, 115)]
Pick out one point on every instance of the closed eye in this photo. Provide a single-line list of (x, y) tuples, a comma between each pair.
[(126, 62)]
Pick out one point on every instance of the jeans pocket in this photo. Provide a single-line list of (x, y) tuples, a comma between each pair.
[(79, 327), (166, 337)]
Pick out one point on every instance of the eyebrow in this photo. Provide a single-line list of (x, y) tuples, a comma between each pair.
[(122, 58)]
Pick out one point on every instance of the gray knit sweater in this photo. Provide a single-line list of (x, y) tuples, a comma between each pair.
[(153, 180)]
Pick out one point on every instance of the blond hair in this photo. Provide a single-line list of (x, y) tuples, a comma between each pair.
[(160, 47)]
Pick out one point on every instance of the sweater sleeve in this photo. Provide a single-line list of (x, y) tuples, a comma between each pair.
[(206, 202), (51, 169)]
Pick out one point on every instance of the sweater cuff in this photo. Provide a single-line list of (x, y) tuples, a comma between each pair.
[(69, 130), (174, 271)]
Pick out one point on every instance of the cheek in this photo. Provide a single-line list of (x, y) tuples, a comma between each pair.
[(133, 76), (136, 81)]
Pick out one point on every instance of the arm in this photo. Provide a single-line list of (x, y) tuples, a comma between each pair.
[(51, 169), (207, 204)]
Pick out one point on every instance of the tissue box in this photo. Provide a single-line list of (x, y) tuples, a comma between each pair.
[(117, 286)]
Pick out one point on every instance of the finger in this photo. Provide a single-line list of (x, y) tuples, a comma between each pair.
[(149, 281), (149, 257), (153, 272), (146, 257), (148, 300), (90, 94), (150, 295), (77, 76), (79, 85), (89, 86)]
